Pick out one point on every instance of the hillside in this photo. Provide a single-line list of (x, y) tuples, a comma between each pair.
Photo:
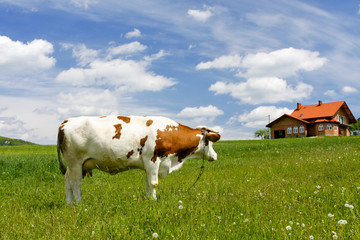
[(4, 141)]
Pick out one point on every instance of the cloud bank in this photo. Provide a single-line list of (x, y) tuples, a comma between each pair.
[(265, 73)]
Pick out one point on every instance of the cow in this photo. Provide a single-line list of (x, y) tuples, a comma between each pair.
[(114, 144)]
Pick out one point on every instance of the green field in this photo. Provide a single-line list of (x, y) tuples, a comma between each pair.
[(267, 189)]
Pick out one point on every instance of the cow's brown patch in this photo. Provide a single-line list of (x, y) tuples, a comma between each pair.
[(149, 122), (212, 137), (143, 141), (142, 144), (61, 136), (130, 154), (181, 141), (124, 119), (118, 128), (102, 117)]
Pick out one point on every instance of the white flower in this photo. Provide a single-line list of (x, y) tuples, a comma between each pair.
[(180, 202), (203, 224), (246, 220), (335, 236), (330, 215), (291, 223), (311, 237), (318, 186), (155, 235), (342, 222), (93, 232), (288, 228), (181, 207), (349, 206)]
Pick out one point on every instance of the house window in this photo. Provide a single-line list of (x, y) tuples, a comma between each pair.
[(321, 127), (336, 127), (338, 118), (329, 127), (301, 129), (289, 130), (343, 119), (295, 129)]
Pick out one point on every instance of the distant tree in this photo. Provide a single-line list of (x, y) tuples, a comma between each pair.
[(355, 126), (262, 133)]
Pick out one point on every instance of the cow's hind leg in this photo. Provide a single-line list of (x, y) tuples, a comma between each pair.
[(73, 177), (152, 171)]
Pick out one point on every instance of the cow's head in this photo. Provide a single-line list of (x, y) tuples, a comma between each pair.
[(209, 137)]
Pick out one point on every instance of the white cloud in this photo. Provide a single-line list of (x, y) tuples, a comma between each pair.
[(83, 3), (201, 16), (348, 89), (128, 48), (121, 74), (14, 128), (264, 73), (91, 102), (155, 56), (20, 119), (330, 93), (263, 90), (265, 20), (223, 62), (281, 63), (259, 117), (201, 114), (25, 58), (134, 34), (84, 55)]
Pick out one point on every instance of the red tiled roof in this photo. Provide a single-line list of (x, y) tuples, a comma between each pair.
[(325, 120), (318, 111), (284, 116)]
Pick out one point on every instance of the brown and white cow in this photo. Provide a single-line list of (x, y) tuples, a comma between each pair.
[(116, 143)]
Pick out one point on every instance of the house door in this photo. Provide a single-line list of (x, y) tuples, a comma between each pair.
[(280, 134)]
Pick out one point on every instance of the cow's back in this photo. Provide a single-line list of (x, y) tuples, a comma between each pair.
[(117, 137)]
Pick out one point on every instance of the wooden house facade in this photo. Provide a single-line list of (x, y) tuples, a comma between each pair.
[(322, 119)]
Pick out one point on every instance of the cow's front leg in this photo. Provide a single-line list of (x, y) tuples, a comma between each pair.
[(152, 171)]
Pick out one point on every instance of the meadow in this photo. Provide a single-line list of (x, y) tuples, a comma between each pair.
[(265, 189)]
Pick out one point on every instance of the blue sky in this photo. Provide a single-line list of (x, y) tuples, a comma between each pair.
[(224, 64)]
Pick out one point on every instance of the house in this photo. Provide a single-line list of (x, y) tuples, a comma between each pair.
[(322, 119)]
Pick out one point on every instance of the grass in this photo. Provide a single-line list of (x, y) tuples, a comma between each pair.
[(278, 189)]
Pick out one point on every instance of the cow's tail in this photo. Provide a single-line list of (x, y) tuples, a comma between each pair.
[(59, 151)]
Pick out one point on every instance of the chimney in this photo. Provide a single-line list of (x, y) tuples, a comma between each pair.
[(298, 106), (320, 103)]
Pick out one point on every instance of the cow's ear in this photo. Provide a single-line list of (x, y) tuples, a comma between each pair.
[(213, 137)]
